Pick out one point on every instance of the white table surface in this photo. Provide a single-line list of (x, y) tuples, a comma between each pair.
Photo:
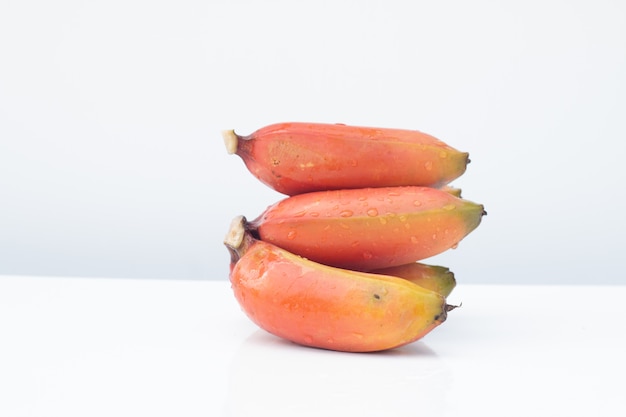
[(114, 347)]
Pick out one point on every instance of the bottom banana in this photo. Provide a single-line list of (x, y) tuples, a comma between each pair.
[(326, 307)]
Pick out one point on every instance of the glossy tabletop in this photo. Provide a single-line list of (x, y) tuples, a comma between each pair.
[(126, 347)]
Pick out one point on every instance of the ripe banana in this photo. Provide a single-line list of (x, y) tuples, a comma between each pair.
[(321, 306), (435, 278), (371, 228), (295, 158)]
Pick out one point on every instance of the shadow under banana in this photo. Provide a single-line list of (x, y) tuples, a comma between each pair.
[(272, 375)]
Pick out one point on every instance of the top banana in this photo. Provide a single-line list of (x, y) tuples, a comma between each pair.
[(296, 158)]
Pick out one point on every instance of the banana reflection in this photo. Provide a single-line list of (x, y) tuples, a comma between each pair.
[(275, 376)]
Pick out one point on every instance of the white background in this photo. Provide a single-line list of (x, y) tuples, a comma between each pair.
[(112, 163)]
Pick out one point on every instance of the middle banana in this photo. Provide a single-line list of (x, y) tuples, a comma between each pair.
[(369, 228)]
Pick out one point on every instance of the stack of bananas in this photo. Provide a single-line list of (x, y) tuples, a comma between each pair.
[(334, 265)]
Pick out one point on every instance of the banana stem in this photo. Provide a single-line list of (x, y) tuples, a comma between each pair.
[(237, 240), (450, 307), (231, 141)]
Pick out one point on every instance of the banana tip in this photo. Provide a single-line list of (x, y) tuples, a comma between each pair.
[(230, 141), (450, 307), (236, 233)]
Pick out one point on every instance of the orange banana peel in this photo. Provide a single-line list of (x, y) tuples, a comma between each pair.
[(367, 229), (296, 158), (326, 307)]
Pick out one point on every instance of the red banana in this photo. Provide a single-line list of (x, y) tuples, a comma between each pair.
[(296, 158), (371, 228), (326, 307)]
